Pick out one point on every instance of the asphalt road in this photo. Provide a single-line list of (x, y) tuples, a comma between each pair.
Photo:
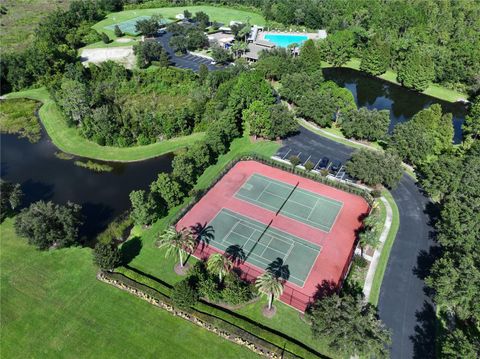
[(403, 305)]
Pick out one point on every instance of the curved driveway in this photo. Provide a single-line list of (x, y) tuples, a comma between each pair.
[(403, 304)]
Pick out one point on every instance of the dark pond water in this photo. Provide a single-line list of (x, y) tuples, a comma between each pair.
[(103, 196), (373, 93)]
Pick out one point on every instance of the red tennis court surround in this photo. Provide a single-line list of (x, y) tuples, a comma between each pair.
[(337, 246)]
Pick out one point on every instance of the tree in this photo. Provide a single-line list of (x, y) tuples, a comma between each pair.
[(202, 73), (187, 14), (350, 326), (375, 167), (417, 71), (257, 116), (10, 197), (106, 256), (460, 346), (295, 85), (196, 39), (239, 48), (144, 208), (149, 51), (117, 31), (46, 224), (365, 124), (310, 58), (183, 295), (338, 47), (149, 27), (294, 160), (424, 137), (168, 189), (73, 98), (177, 244), (471, 127), (283, 122), (270, 286), (375, 57), (202, 20), (220, 55), (184, 170), (179, 43), (105, 38), (220, 265)]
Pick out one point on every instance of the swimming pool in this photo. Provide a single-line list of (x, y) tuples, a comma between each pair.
[(283, 40)]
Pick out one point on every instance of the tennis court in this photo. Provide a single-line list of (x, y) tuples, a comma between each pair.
[(297, 203), (128, 26), (262, 245)]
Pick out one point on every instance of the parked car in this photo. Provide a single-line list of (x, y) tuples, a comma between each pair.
[(335, 166), (323, 164)]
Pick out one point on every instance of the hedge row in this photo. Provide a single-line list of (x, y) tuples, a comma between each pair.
[(271, 344)]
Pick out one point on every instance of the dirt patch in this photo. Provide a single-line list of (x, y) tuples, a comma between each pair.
[(181, 270), (123, 55), (269, 313)]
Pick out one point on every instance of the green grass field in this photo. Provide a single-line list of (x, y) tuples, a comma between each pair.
[(220, 14), (52, 306), (434, 90), (70, 141)]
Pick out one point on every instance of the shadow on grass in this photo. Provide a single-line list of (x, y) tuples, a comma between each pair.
[(131, 249)]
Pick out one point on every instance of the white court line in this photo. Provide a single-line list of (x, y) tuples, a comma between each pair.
[(230, 231), (311, 210)]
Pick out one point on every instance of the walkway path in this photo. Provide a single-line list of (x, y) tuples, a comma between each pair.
[(376, 255)]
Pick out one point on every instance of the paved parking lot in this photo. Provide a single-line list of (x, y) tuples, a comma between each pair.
[(323, 155), (188, 61)]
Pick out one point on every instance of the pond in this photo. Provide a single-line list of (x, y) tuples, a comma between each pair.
[(373, 93), (103, 196)]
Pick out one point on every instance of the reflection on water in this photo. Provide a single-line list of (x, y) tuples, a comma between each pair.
[(103, 196), (373, 93)]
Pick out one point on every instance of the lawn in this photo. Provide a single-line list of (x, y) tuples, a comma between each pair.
[(220, 14), (70, 141), (434, 90), (18, 116), (52, 306)]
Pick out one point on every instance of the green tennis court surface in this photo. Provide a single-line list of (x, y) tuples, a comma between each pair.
[(128, 26), (261, 245), (299, 204)]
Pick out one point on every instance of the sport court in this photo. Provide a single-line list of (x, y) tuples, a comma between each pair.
[(262, 245), (304, 206), (128, 26)]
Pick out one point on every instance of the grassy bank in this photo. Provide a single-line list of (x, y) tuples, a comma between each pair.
[(434, 90), (70, 141), (18, 116), (52, 306), (387, 247), (216, 13)]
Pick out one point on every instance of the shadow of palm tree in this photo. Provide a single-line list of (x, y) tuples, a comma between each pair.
[(236, 254), (203, 233), (279, 269)]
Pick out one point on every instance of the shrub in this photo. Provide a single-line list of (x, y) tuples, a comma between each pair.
[(184, 295), (294, 160), (106, 256), (309, 165), (360, 262), (236, 291), (105, 38), (117, 31), (208, 288)]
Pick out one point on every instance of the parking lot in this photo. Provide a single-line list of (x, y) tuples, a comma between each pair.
[(325, 156)]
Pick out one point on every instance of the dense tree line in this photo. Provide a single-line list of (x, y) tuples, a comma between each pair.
[(421, 40)]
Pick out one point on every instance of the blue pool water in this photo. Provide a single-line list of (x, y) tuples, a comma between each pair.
[(283, 40)]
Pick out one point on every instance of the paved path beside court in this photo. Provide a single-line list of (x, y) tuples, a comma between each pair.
[(378, 252)]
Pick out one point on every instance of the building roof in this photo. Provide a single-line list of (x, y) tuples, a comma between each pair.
[(253, 51)]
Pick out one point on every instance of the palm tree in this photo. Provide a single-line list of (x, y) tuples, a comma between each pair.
[(269, 285), (177, 243), (220, 265), (239, 47)]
